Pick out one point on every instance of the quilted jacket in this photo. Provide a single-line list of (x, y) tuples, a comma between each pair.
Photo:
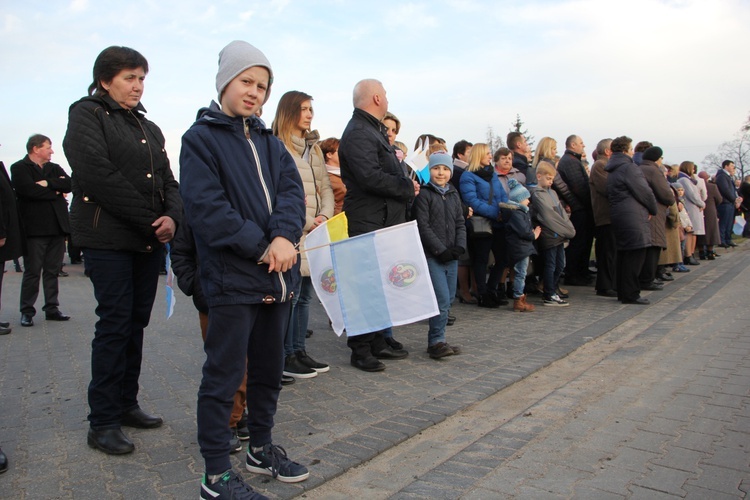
[(122, 181)]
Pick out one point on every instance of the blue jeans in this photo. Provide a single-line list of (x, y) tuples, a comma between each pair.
[(554, 263), (519, 280), (124, 287), (726, 222), (294, 340), (444, 282)]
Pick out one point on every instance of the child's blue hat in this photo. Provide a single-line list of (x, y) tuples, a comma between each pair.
[(518, 193), (441, 159)]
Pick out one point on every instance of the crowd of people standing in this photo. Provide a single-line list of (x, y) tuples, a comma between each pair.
[(496, 226)]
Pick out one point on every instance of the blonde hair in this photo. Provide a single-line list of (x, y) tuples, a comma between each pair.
[(544, 150), (545, 168), (478, 153)]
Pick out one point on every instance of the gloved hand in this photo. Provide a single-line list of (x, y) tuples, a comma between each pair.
[(457, 251), (446, 256)]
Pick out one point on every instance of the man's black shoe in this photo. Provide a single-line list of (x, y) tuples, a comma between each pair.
[(4, 324), (285, 380), (110, 441), (393, 343), (140, 419), (652, 286), (56, 316), (63, 274), (368, 364), (3, 461), (732, 244), (451, 320), (27, 320), (639, 301), (4, 330), (390, 353), (606, 293), (665, 277)]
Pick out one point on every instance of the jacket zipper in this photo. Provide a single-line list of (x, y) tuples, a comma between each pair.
[(151, 160), (279, 274)]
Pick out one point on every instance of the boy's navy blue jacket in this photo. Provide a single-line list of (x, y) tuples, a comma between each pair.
[(238, 197), (519, 233), (440, 220)]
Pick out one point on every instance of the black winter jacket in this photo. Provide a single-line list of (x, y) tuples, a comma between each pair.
[(519, 233), (185, 266), (440, 220), (10, 224), (573, 173), (377, 191), (631, 202), (43, 210), (725, 183), (122, 181)]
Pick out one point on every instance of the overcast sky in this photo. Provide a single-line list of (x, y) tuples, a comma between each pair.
[(674, 72)]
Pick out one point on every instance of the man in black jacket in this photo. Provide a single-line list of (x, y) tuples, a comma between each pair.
[(576, 177), (725, 182), (377, 194), (40, 186), (520, 147)]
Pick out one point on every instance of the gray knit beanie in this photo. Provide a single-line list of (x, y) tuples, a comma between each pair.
[(236, 58)]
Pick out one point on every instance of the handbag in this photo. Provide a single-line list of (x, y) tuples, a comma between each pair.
[(481, 226)]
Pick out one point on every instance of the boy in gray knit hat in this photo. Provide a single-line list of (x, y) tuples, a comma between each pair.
[(245, 204)]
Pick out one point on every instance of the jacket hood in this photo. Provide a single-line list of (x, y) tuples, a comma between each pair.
[(213, 115), (616, 161)]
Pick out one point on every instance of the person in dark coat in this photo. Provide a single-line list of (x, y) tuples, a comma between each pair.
[(605, 247), (11, 243), (651, 162), (744, 192), (724, 179), (126, 206), (706, 242), (377, 196), (41, 186), (632, 204), (574, 175)]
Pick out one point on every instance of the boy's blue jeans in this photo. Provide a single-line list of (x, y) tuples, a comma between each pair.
[(519, 280), (554, 263), (444, 282)]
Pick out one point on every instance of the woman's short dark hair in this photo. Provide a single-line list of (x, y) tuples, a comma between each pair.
[(501, 152), (330, 145), (111, 61), (621, 144)]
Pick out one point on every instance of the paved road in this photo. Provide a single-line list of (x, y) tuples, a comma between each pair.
[(655, 394)]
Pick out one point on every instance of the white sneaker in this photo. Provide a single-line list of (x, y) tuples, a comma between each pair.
[(556, 301)]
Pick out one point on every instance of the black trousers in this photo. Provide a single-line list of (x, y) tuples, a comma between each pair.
[(578, 253), (43, 260), (605, 247), (650, 264), (235, 333), (364, 346), (629, 264)]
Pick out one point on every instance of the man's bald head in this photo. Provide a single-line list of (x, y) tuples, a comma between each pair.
[(369, 95)]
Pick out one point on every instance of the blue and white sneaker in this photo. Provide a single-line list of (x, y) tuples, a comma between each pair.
[(272, 461), (230, 487)]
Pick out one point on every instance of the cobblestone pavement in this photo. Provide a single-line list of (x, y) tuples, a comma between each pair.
[(693, 424)]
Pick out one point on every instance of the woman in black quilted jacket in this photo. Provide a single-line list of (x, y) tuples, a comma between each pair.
[(126, 206)]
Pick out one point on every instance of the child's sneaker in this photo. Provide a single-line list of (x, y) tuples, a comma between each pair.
[(555, 301), (272, 461), (229, 487)]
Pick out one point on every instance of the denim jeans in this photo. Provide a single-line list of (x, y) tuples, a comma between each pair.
[(124, 287), (443, 276), (296, 332), (554, 263), (519, 280)]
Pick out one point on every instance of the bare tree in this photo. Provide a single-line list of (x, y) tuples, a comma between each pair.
[(493, 141), (737, 150)]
